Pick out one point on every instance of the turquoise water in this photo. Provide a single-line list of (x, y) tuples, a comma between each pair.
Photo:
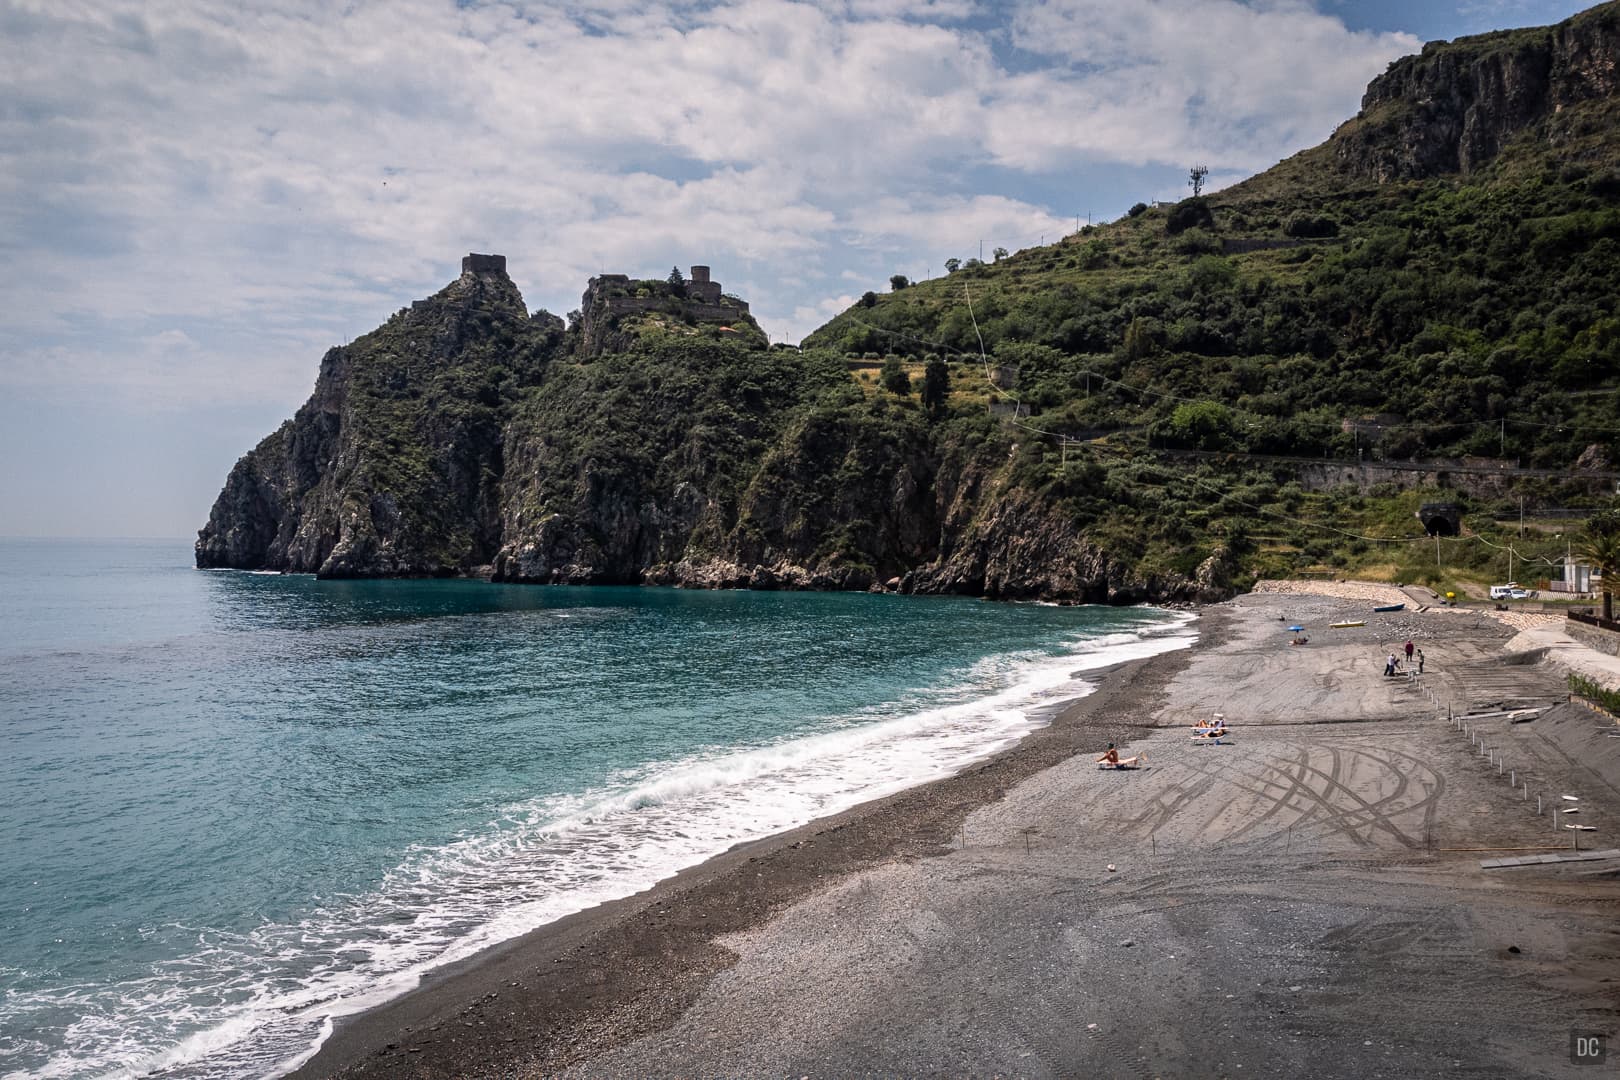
[(234, 806)]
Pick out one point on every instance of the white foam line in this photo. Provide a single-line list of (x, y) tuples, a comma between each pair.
[(556, 856)]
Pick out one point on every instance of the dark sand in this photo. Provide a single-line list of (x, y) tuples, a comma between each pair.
[(1306, 901)]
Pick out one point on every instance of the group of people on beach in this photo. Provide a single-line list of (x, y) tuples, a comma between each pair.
[(1204, 729), (1392, 666)]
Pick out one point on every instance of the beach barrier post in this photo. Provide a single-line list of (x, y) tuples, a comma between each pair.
[(1538, 799)]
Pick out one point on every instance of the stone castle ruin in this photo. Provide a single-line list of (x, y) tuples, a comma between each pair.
[(610, 297), (483, 264)]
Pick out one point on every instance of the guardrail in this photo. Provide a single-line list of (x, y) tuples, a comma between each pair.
[(1594, 620)]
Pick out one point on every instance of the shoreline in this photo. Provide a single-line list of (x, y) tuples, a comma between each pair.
[(602, 977)]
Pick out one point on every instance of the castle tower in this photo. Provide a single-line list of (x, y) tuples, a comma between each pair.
[(483, 264), (701, 288)]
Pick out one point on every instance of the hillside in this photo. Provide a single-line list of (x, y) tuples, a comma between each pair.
[(1129, 410)]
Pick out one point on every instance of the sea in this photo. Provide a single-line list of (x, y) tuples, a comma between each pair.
[(235, 807)]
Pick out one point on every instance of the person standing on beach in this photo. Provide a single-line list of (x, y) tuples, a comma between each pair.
[(1408, 650), (1420, 661), (1389, 665)]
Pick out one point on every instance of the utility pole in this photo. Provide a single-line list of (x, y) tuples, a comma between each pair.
[(1501, 450), (981, 251), (1521, 517)]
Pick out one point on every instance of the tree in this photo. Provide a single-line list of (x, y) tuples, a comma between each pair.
[(898, 282), (1140, 339), (1600, 546), (1195, 179), (868, 298), (936, 387), (1204, 425), (677, 283), (998, 254), (894, 377), (1187, 214), (952, 265), (1138, 209)]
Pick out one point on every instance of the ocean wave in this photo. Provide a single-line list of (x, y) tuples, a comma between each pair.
[(260, 1003)]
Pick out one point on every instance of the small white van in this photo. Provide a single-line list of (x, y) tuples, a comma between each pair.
[(1505, 592)]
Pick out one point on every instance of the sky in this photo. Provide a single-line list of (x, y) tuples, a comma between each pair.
[(198, 198)]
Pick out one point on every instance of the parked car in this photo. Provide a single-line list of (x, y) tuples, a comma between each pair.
[(1504, 592)]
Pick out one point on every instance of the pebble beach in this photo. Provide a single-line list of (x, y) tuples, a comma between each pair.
[(1306, 898)]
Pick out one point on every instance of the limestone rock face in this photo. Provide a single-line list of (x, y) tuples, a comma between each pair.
[(1455, 106), (466, 437), (392, 467)]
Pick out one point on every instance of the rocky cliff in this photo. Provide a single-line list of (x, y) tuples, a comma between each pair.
[(1454, 107), (660, 439), (464, 437), (393, 466)]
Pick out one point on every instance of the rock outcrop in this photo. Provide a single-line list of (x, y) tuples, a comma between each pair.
[(465, 437), (393, 466), (1455, 106)]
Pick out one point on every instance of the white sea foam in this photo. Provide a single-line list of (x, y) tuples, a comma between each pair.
[(261, 1003)]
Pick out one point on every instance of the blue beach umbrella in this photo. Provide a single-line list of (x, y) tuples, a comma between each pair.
[(1296, 629)]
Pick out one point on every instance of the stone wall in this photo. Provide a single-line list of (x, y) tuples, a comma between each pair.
[(1480, 483), (483, 264), (1593, 637), (607, 298)]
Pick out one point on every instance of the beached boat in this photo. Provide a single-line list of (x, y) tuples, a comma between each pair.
[(1345, 625), (1390, 607)]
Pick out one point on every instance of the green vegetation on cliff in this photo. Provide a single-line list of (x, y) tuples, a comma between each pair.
[(1268, 379)]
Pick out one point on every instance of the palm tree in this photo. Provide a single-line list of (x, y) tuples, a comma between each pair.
[(1600, 546)]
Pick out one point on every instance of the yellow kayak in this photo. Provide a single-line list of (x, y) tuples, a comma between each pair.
[(1346, 625)]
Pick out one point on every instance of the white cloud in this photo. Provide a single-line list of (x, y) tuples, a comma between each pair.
[(1169, 81), (265, 180)]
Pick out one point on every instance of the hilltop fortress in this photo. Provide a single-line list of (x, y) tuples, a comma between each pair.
[(610, 297)]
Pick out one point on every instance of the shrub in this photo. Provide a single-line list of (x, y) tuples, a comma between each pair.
[(895, 379), (1597, 694), (1189, 214), (1310, 226), (1138, 210)]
